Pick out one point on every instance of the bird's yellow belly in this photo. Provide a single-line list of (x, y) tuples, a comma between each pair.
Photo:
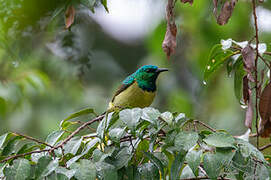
[(131, 97)]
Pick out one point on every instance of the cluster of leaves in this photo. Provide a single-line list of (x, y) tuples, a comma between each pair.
[(239, 58), (132, 144)]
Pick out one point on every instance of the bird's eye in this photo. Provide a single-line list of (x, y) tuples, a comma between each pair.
[(148, 70)]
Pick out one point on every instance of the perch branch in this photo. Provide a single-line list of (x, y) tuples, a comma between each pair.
[(52, 148)]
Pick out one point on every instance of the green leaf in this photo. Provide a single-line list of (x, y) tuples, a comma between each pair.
[(187, 173), (150, 114), (181, 120), (89, 4), (186, 140), (148, 171), (131, 117), (87, 148), (238, 79), (57, 176), (248, 149), (3, 139), (106, 171), (20, 170), (122, 157), (220, 139), (116, 134), (216, 58), (54, 137), (212, 165), (85, 170), (156, 162), (193, 159), (66, 172), (73, 145), (10, 147), (80, 113), (177, 165), (45, 166), (103, 125), (167, 116), (104, 3)]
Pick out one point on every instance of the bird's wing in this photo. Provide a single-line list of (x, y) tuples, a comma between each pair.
[(121, 89)]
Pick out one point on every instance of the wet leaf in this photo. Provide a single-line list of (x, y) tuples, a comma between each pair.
[(156, 162), (216, 58), (187, 1), (80, 113), (265, 112), (220, 139), (45, 166), (185, 140), (169, 43), (177, 165), (69, 16), (248, 59), (131, 117), (193, 160), (86, 170), (148, 171), (73, 145), (53, 137), (19, 170), (226, 12), (116, 134)]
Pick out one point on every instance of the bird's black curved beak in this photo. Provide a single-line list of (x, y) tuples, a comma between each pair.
[(161, 70)]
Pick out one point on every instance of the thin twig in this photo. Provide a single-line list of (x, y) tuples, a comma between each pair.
[(205, 125), (51, 150), (32, 139), (265, 147), (203, 177), (256, 65)]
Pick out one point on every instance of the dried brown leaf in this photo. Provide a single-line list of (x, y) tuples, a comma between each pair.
[(187, 1), (226, 11), (169, 43), (245, 89), (265, 112), (69, 16), (249, 112), (248, 54)]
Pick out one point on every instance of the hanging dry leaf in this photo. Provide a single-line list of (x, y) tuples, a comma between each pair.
[(249, 112), (265, 112), (248, 59), (187, 1), (245, 90), (69, 16), (169, 43), (226, 11)]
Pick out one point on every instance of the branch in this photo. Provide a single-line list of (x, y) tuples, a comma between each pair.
[(32, 139), (50, 150), (256, 65), (203, 177), (205, 125), (265, 147)]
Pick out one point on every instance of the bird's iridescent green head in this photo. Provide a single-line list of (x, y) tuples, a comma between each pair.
[(146, 77)]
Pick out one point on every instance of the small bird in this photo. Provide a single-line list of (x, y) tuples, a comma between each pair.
[(137, 90)]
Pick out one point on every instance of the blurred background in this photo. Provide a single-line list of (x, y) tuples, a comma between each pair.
[(48, 72)]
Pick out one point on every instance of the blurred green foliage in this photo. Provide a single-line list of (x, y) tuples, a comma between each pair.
[(48, 72)]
